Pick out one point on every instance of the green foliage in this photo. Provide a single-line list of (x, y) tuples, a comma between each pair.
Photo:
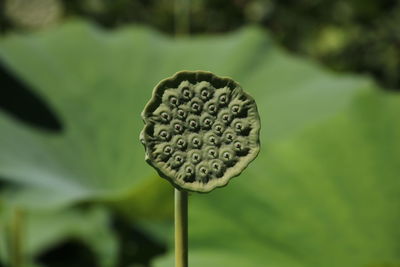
[(323, 192)]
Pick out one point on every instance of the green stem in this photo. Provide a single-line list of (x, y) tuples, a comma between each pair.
[(16, 254), (181, 228), (182, 17)]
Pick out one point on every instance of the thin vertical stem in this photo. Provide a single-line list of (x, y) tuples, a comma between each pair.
[(181, 228), (182, 17), (16, 250)]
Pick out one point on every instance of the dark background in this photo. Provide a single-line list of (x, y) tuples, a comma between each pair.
[(362, 36)]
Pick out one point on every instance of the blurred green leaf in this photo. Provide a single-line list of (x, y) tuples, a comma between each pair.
[(323, 191)]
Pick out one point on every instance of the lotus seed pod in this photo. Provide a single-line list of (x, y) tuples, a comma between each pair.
[(200, 130)]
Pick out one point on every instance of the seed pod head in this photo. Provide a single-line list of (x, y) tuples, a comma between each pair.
[(200, 130)]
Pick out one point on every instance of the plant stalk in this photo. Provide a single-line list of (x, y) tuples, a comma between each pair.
[(16, 250), (181, 228)]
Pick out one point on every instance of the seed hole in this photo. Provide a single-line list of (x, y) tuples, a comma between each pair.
[(164, 134), (181, 113), (205, 93), (193, 124), (186, 92), (227, 155), (178, 127), (173, 100), (196, 106), (167, 150), (165, 116), (181, 143), (222, 99), (212, 108)]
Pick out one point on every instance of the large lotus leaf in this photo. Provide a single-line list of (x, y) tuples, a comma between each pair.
[(329, 196), (97, 83)]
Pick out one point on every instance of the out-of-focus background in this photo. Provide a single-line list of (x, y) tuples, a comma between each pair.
[(75, 75)]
